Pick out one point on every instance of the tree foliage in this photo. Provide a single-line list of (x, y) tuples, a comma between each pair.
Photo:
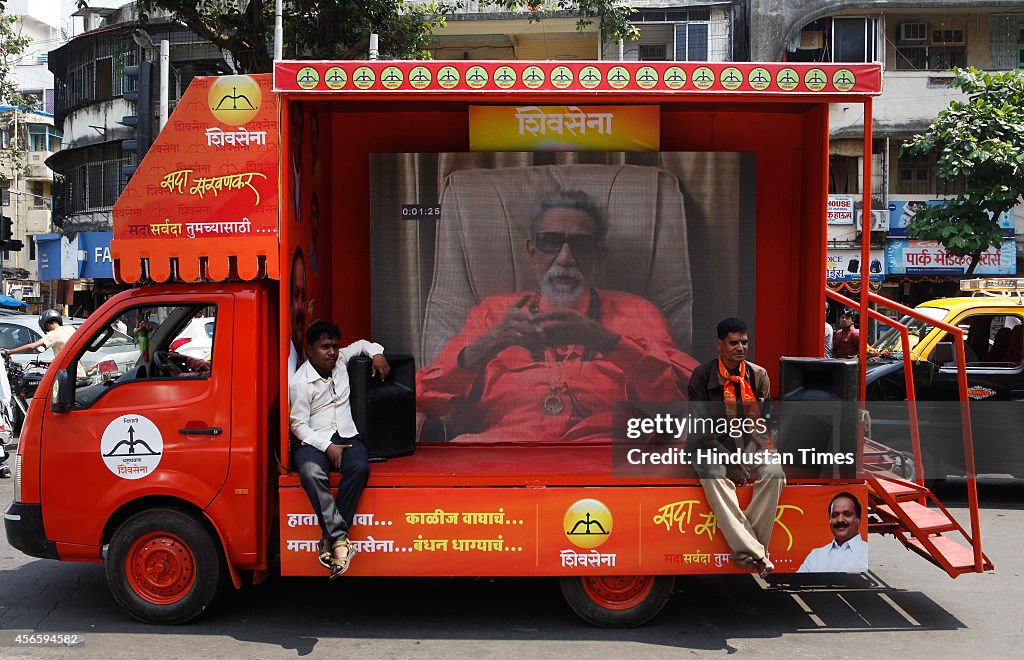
[(340, 29), (12, 47), (980, 148)]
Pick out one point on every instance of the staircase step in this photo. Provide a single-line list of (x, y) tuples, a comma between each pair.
[(895, 487), (925, 519), (960, 557)]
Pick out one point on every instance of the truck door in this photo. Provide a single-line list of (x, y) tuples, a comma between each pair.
[(161, 427)]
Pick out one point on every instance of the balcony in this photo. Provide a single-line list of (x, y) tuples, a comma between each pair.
[(910, 101), (37, 220), (36, 166)]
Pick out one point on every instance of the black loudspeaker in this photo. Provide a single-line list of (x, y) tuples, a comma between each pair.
[(818, 416), (384, 411)]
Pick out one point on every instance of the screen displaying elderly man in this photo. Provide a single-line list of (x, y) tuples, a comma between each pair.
[(548, 364), (848, 552)]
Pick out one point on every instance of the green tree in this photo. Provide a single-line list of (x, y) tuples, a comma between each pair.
[(980, 147), (339, 29), (12, 46)]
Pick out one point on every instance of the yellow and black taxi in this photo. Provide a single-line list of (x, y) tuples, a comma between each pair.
[(991, 314)]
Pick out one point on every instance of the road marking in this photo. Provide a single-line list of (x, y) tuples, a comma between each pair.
[(808, 611), (902, 612)]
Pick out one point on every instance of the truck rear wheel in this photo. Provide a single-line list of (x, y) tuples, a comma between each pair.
[(163, 566), (617, 601)]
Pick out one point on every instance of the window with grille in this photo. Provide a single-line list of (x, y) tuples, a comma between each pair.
[(653, 52)]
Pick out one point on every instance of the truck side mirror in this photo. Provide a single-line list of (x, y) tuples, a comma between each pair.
[(62, 399)]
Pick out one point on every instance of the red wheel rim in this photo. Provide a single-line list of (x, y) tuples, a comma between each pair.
[(618, 592), (160, 568)]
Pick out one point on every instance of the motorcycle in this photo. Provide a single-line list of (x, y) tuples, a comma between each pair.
[(18, 383)]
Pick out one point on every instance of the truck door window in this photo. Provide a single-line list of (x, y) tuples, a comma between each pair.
[(146, 343)]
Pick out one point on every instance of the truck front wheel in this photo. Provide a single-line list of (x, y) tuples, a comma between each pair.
[(163, 566), (617, 601)]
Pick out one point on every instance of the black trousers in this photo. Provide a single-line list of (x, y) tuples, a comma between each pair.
[(334, 513)]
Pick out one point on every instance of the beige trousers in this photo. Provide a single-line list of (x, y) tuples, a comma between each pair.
[(746, 531)]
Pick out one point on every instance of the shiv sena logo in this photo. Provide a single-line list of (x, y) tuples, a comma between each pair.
[(587, 523), (234, 100)]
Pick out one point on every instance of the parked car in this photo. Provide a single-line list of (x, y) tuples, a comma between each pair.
[(196, 339), (993, 325), (120, 352)]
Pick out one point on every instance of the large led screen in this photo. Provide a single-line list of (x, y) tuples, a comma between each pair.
[(538, 290)]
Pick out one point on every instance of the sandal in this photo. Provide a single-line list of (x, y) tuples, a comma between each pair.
[(340, 564), (763, 566), (323, 554)]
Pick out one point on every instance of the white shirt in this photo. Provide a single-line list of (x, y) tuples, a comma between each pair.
[(320, 406), (828, 339), (57, 337), (850, 557), (293, 360)]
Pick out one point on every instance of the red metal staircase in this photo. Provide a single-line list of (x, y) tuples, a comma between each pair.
[(901, 508)]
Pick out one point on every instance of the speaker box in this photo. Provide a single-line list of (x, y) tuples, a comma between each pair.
[(384, 411), (818, 415)]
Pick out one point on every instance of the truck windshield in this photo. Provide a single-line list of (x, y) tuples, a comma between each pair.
[(889, 342)]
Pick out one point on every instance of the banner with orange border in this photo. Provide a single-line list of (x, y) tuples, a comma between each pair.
[(564, 128), (448, 77), (206, 192), (555, 531)]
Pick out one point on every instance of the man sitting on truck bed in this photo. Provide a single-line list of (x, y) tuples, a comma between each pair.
[(729, 387), (321, 420), (548, 365)]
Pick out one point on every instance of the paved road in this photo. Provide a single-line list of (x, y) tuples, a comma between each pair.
[(904, 607)]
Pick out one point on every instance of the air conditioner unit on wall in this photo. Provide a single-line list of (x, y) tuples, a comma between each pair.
[(811, 39), (879, 220), (913, 32)]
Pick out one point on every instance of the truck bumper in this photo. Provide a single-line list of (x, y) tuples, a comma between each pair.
[(24, 525)]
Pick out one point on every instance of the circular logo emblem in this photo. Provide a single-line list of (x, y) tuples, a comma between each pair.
[(533, 77), (844, 80), (587, 523), (590, 77), (235, 100), (131, 446), (815, 80), (306, 78), (419, 77), (335, 77), (703, 77), (505, 77), (448, 76), (675, 77), (617, 77), (646, 77), (759, 78), (787, 79), (731, 77), (476, 77), (392, 77), (364, 77), (561, 77)]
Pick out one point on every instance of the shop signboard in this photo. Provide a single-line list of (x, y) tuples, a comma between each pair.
[(910, 257)]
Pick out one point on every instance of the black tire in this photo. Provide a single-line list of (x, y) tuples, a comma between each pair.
[(630, 601), (174, 572)]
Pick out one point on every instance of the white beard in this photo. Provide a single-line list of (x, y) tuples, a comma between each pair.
[(557, 292)]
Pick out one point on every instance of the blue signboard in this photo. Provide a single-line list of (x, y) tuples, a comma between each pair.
[(56, 258), (909, 257), (94, 255)]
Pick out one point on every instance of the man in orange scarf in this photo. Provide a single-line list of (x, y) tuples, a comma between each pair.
[(732, 391)]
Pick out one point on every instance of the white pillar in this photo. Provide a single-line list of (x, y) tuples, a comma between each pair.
[(165, 72)]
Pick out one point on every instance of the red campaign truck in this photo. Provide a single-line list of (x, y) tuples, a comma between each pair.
[(396, 198)]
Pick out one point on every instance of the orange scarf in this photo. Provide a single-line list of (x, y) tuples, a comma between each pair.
[(750, 406)]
